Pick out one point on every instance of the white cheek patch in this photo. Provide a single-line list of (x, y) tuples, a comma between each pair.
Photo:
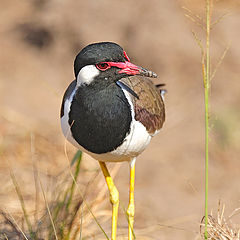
[(87, 74)]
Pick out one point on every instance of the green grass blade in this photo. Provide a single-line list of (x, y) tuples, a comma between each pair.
[(88, 207), (78, 158), (64, 204)]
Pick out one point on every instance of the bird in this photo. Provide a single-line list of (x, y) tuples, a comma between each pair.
[(111, 111)]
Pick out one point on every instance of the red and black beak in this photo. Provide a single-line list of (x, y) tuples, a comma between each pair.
[(131, 69)]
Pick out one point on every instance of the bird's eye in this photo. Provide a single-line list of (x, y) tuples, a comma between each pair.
[(103, 66)]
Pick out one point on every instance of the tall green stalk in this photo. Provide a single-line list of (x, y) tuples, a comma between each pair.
[(206, 95), (78, 157)]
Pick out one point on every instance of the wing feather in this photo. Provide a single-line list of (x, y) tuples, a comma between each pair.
[(149, 107)]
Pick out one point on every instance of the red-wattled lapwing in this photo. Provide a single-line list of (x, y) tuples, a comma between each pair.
[(111, 111)]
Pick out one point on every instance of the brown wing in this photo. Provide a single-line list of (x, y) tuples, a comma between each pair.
[(149, 107)]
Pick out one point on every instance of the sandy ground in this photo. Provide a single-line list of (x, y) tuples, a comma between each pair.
[(39, 40)]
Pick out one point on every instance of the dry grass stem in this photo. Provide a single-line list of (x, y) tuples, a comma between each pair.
[(21, 199), (48, 209), (93, 210), (10, 220), (220, 227), (35, 174), (219, 62), (195, 18), (219, 19)]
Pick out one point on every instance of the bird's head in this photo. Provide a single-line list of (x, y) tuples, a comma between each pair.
[(107, 61)]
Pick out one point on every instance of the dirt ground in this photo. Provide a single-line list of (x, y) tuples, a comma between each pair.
[(39, 40)]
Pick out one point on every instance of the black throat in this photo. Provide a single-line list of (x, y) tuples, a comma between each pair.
[(100, 117)]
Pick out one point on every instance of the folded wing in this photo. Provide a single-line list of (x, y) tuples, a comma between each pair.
[(149, 105)]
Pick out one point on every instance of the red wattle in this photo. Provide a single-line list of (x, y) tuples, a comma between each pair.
[(126, 56)]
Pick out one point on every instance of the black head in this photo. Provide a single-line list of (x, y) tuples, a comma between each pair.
[(104, 63), (99, 52)]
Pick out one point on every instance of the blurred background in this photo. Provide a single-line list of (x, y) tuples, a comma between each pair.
[(39, 41)]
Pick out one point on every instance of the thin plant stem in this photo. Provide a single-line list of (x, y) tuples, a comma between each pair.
[(79, 156), (206, 98), (48, 209), (35, 172), (81, 223), (23, 206), (5, 236), (19, 228), (81, 194)]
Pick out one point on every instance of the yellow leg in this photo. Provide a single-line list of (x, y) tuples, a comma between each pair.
[(131, 207), (114, 198)]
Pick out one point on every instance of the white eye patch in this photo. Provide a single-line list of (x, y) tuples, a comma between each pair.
[(87, 74)]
